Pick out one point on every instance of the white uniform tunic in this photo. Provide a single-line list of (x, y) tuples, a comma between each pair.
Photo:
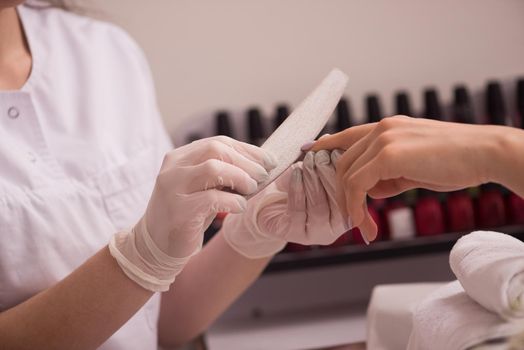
[(80, 146)]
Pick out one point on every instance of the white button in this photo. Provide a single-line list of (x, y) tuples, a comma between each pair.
[(13, 112)]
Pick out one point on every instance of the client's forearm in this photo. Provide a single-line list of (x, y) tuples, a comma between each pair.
[(509, 169)]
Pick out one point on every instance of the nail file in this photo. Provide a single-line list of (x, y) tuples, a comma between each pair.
[(303, 124)]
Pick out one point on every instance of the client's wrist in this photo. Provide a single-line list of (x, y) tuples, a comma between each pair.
[(506, 160)]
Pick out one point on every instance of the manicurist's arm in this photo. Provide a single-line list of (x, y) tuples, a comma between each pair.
[(211, 281), (88, 306), (79, 312)]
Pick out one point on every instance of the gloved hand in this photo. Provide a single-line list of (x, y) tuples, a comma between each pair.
[(187, 195), (300, 206)]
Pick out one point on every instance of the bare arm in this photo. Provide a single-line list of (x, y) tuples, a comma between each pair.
[(509, 169), (80, 312), (399, 153), (210, 282)]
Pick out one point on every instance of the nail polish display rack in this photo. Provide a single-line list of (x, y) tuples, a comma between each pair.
[(414, 223)]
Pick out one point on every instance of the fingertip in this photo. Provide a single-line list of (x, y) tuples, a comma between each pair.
[(322, 158), (270, 160), (309, 160), (242, 204), (325, 142), (296, 177), (368, 228), (252, 186)]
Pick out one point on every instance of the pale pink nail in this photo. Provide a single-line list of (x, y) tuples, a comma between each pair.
[(307, 146), (364, 238)]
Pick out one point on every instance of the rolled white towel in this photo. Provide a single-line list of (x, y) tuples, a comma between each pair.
[(490, 267), (449, 319)]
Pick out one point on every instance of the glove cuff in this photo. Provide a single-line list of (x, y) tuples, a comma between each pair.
[(142, 261)]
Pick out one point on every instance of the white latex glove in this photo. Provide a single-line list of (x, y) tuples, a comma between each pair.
[(300, 207), (187, 195)]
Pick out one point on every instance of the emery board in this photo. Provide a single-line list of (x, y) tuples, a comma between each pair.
[(303, 124)]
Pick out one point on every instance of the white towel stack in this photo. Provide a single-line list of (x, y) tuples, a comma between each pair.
[(486, 301), (490, 267)]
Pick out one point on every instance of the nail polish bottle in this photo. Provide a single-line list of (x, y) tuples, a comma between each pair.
[(519, 122), (400, 219), (491, 211), (429, 214), (515, 203), (403, 107), (193, 137), (343, 115), (432, 106), (515, 209), (460, 212), (256, 129), (398, 216), (462, 108), (282, 113), (376, 207), (373, 108), (403, 104), (459, 206), (223, 124)]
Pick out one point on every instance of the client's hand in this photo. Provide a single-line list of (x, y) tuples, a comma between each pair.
[(300, 206), (401, 153)]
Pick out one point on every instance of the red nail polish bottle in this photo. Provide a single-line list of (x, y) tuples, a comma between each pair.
[(491, 211), (460, 212), (515, 209), (459, 206), (429, 215), (376, 207), (515, 203), (491, 207)]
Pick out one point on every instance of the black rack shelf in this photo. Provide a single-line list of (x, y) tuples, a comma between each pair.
[(326, 256)]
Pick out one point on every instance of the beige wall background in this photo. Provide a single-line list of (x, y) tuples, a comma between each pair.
[(211, 54)]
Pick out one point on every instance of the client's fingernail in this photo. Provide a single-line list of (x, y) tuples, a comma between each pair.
[(307, 146), (364, 237), (321, 137)]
